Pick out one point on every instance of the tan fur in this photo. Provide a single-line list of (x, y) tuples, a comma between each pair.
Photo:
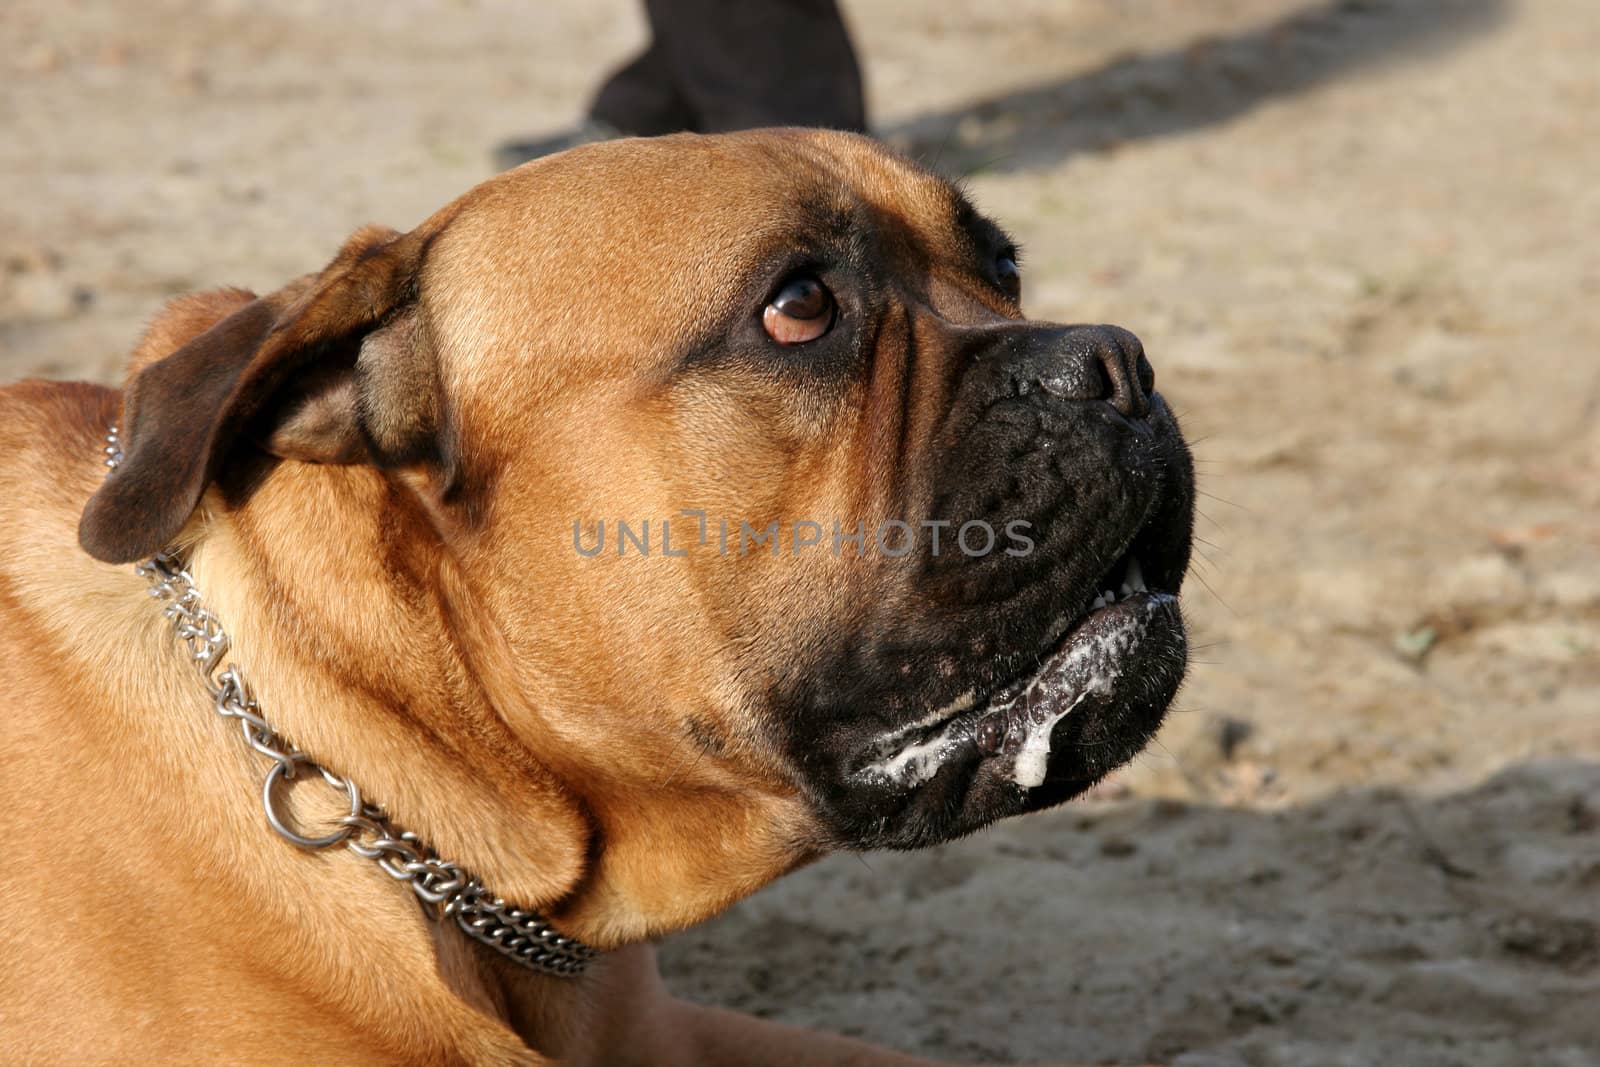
[(425, 628)]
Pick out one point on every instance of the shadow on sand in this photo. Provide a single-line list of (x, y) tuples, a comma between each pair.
[(1206, 82), (1375, 926)]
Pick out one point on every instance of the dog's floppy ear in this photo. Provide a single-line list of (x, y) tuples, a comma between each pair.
[(332, 368)]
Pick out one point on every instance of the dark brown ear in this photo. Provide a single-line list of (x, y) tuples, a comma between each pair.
[(181, 321), (279, 373)]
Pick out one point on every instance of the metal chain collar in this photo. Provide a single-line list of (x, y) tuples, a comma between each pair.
[(443, 888)]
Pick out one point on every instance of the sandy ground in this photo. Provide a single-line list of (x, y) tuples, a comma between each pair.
[(1358, 240)]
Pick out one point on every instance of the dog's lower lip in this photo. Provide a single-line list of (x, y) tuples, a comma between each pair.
[(1126, 573), (1125, 581), (1016, 706), (1014, 722)]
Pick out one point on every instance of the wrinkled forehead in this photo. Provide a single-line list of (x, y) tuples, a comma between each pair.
[(640, 240)]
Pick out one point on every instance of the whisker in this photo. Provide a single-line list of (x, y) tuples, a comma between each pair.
[(985, 164), (1157, 743), (1202, 580), (938, 155), (1221, 500)]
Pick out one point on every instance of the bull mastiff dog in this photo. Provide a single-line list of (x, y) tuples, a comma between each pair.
[(514, 591)]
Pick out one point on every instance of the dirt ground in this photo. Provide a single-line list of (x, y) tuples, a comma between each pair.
[(1359, 241)]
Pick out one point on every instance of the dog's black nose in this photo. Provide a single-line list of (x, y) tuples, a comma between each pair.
[(1100, 363)]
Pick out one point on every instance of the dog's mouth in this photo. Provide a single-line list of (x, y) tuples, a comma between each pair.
[(1014, 685), (1090, 699)]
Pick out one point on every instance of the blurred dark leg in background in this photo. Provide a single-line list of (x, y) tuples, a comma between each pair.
[(718, 65), (642, 98), (715, 65)]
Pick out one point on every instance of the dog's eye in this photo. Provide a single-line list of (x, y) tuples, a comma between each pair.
[(1007, 274), (801, 311)]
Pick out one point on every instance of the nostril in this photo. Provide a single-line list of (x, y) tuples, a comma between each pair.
[(1102, 363), (1132, 376), (1129, 394), (1147, 376), (1120, 393)]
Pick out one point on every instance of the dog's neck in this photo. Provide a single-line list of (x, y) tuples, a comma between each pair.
[(378, 658), (380, 694)]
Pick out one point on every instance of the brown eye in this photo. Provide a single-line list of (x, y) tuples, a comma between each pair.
[(802, 311)]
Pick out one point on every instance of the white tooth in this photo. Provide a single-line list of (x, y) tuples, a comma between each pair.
[(1126, 590), (1135, 576), (1111, 598), (1099, 602)]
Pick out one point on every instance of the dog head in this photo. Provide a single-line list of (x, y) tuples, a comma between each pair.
[(782, 529)]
